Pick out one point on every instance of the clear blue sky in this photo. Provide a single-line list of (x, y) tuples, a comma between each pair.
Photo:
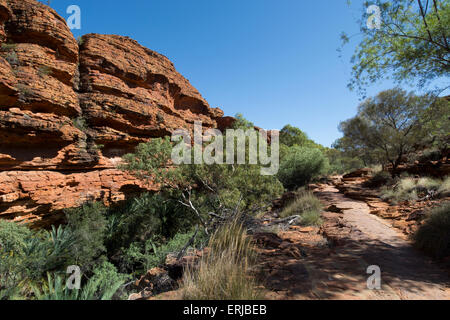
[(275, 61)]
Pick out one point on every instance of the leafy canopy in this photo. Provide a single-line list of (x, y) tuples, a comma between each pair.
[(412, 44)]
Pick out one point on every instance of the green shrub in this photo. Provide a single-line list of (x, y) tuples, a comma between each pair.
[(379, 179), (13, 241), (307, 206), (434, 235), (80, 123), (145, 256), (80, 41), (410, 189), (88, 226), (428, 184), (26, 256), (300, 166), (444, 189), (217, 185), (98, 287), (146, 217)]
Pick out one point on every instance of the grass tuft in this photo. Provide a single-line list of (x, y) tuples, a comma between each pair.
[(434, 235), (306, 205), (225, 272)]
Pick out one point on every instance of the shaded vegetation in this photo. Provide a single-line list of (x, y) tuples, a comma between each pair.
[(434, 235)]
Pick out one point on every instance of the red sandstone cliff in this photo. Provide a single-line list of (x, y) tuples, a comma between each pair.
[(68, 111)]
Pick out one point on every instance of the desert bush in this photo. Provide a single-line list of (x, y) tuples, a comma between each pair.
[(444, 189), (148, 216), (403, 191), (88, 226), (12, 59), (379, 179), (217, 186), (301, 165), (225, 272), (427, 184), (434, 235), (143, 256), (410, 189), (430, 155), (307, 206), (80, 123), (341, 162)]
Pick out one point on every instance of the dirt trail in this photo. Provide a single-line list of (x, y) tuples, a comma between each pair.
[(356, 240)]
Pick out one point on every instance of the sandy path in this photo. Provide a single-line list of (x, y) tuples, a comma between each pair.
[(367, 240)]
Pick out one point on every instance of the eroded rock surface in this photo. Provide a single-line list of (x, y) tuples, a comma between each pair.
[(69, 111)]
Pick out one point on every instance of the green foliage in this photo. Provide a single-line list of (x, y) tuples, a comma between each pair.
[(301, 165), (379, 179), (151, 161), (80, 123), (25, 91), (437, 130), (389, 127), (412, 44), (410, 189), (242, 123), (217, 185), (291, 136), (8, 46), (307, 206), (26, 255), (145, 256), (103, 285), (142, 218), (12, 59), (434, 235), (404, 190), (341, 163), (80, 41), (88, 225)]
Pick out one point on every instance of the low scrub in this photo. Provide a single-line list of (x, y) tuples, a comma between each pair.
[(444, 189), (434, 235), (103, 285), (379, 179), (410, 189), (307, 206), (301, 165), (225, 272)]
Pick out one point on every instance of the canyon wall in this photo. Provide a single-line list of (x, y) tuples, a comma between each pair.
[(70, 109)]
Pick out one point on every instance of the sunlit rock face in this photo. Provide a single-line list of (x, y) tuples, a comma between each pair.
[(69, 111)]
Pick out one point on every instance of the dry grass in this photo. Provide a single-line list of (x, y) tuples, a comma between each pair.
[(410, 189), (306, 205), (225, 272)]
